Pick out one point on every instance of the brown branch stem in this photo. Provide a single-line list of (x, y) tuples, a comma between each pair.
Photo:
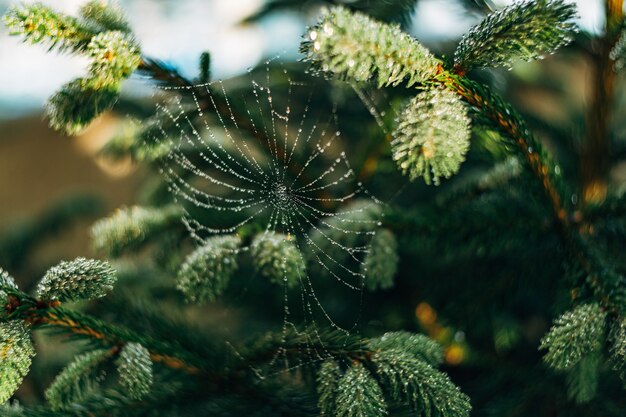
[(514, 127), (39, 313), (527, 145)]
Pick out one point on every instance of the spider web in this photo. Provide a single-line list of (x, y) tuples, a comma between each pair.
[(265, 154)]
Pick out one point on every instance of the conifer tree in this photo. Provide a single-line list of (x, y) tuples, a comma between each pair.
[(454, 225)]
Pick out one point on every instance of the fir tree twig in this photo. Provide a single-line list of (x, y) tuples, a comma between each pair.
[(325, 42), (49, 314)]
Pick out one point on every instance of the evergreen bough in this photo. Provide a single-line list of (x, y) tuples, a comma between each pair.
[(574, 336), (135, 368), (327, 387), (80, 279), (131, 227), (411, 380), (7, 281), (618, 349), (76, 379), (359, 395), (583, 378), (361, 373), (416, 345), (277, 258), (381, 262), (78, 103), (102, 34), (522, 31), (16, 353), (396, 368), (114, 57), (38, 24), (618, 53), (361, 218), (207, 271), (349, 45), (105, 15), (432, 136)]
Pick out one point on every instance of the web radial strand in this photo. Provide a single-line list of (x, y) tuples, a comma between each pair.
[(258, 150)]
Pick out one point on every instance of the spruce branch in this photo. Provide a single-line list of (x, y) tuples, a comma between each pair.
[(114, 57), (327, 387), (277, 258), (381, 262), (491, 110), (413, 381), (416, 345), (75, 380), (80, 279), (207, 271), (37, 23), (618, 349), (432, 136), (397, 361), (218, 373), (48, 314), (105, 36), (353, 46), (132, 227), (106, 15), (26, 310), (132, 140), (618, 53), (487, 104), (359, 395), (574, 336), (78, 103), (135, 368), (582, 379), (16, 353), (525, 31), (6, 281)]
